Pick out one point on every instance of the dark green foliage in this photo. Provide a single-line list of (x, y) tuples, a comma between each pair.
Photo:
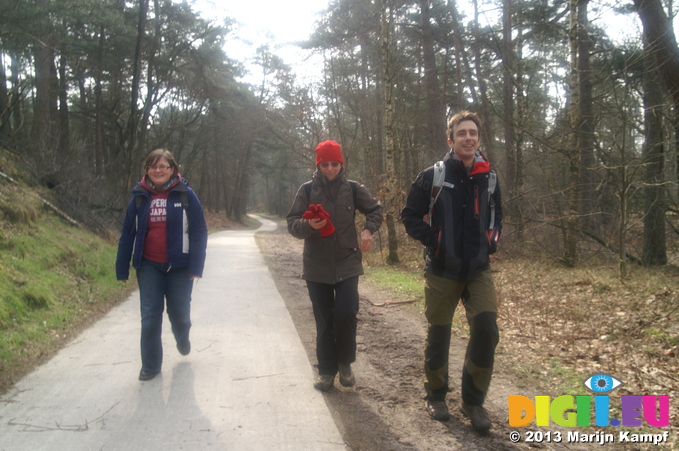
[(244, 146)]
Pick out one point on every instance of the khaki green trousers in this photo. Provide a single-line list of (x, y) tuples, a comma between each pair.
[(480, 301)]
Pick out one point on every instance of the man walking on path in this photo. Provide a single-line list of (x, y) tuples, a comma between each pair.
[(461, 232)]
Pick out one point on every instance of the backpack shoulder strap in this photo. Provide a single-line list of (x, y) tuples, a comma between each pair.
[(439, 177), (492, 183), (436, 185), (354, 189), (307, 189), (138, 198)]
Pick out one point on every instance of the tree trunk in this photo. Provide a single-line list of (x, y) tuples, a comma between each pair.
[(390, 203), (5, 126), (586, 129), (572, 223), (659, 32), (508, 94), (487, 135), (240, 191), (522, 118), (98, 159), (151, 82), (44, 144), (436, 111), (64, 129), (655, 250), (675, 194), (458, 48), (136, 77), (17, 112), (624, 215)]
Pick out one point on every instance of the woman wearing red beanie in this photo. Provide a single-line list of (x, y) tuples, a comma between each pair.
[(322, 214)]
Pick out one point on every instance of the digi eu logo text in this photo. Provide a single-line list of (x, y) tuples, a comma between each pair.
[(572, 411)]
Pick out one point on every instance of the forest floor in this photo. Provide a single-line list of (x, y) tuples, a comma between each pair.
[(557, 328)]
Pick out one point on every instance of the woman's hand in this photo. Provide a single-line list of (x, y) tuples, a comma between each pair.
[(366, 240), (317, 223)]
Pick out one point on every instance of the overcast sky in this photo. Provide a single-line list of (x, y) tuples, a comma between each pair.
[(279, 23)]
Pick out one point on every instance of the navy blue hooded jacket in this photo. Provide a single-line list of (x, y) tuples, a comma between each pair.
[(186, 231)]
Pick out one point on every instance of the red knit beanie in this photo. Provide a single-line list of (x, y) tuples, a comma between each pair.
[(328, 151)]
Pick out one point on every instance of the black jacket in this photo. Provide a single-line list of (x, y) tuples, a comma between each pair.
[(459, 241)]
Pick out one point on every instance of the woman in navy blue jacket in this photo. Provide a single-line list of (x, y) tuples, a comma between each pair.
[(165, 235)]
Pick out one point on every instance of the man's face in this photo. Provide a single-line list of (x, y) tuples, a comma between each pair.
[(466, 141)]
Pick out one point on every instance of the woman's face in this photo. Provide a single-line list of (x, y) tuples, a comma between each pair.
[(330, 169), (160, 172)]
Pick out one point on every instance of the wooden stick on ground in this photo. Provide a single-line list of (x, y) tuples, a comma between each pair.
[(384, 304)]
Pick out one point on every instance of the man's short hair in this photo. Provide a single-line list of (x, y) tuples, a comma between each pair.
[(460, 117)]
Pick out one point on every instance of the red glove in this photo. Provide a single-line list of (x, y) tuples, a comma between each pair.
[(322, 214), (312, 212), (308, 215), (317, 212), (328, 229)]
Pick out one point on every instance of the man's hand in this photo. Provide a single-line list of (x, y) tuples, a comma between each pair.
[(366, 240)]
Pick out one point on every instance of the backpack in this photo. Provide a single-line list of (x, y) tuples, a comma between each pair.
[(439, 182)]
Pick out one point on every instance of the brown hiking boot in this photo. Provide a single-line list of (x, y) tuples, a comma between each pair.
[(437, 410), (324, 382), (477, 415)]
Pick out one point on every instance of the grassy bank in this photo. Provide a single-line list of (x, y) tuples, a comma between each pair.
[(55, 279)]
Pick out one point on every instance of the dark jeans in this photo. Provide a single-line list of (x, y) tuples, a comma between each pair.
[(156, 285), (335, 310)]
